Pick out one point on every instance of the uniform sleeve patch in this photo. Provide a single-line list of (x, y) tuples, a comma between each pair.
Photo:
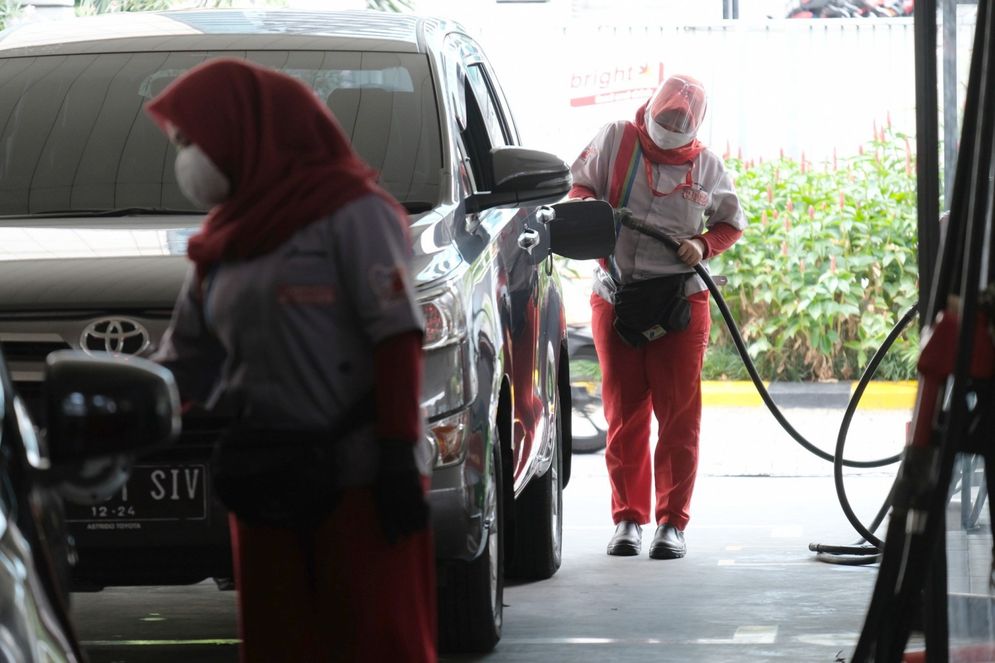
[(388, 283), (589, 153)]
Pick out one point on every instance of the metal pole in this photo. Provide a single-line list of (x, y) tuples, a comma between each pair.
[(927, 159), (950, 129)]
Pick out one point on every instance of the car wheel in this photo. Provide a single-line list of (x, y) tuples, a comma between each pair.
[(471, 594), (224, 584), (589, 429), (538, 537)]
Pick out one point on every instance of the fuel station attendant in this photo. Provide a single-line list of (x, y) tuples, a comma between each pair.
[(299, 312), (657, 169)]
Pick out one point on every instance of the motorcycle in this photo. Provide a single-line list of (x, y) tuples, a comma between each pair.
[(851, 8), (588, 425)]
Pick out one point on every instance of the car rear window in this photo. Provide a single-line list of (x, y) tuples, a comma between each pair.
[(74, 137)]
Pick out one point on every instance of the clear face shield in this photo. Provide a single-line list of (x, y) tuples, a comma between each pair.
[(675, 111)]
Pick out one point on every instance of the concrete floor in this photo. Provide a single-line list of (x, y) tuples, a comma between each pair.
[(749, 589)]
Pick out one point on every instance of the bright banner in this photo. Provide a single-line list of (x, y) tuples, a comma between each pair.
[(619, 82)]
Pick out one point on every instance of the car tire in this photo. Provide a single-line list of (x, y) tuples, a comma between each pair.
[(471, 594), (538, 538), (224, 584), (589, 430)]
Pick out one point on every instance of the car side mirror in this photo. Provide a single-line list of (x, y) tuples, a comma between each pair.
[(99, 406), (522, 176)]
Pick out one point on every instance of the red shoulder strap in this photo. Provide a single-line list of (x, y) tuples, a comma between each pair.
[(625, 166)]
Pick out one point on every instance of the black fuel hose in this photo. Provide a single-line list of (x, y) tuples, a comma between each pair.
[(851, 408), (868, 549), (626, 219)]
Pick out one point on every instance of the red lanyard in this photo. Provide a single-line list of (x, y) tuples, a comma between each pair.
[(687, 184)]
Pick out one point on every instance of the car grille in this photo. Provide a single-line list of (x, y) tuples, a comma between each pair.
[(30, 350), (27, 341)]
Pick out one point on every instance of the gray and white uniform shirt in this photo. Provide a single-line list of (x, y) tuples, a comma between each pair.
[(287, 337), (682, 213)]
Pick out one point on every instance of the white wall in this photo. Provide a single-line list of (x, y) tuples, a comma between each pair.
[(801, 86)]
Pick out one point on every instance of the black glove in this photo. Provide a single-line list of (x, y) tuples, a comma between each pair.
[(397, 491)]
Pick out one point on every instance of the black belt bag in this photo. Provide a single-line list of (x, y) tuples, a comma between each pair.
[(279, 478), (646, 310), (282, 477)]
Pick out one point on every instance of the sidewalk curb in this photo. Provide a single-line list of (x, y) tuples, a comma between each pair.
[(878, 395)]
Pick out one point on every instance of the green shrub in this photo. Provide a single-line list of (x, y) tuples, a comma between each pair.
[(91, 7), (9, 10), (827, 265), (722, 362)]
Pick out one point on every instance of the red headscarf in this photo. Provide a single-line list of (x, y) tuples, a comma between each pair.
[(689, 99), (286, 157)]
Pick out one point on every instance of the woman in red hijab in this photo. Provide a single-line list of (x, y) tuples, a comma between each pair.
[(657, 168), (299, 316)]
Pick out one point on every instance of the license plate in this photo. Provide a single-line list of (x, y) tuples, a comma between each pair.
[(153, 493)]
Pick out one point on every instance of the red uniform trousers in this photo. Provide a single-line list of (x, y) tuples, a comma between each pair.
[(662, 377), (337, 592)]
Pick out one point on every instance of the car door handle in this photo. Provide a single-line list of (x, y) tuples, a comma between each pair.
[(528, 240)]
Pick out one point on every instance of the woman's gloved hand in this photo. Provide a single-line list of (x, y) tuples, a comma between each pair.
[(397, 491)]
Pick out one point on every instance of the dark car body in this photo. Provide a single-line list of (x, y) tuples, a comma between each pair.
[(34, 607), (92, 254), (92, 436)]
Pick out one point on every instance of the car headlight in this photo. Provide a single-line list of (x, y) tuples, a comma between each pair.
[(448, 435), (445, 322), (449, 383)]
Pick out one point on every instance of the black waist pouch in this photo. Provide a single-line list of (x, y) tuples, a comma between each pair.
[(280, 478), (646, 310)]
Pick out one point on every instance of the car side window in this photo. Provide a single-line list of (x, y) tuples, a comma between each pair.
[(502, 103), (477, 140), (490, 112), (465, 166), (480, 112)]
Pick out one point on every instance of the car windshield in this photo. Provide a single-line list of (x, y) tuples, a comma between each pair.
[(75, 140)]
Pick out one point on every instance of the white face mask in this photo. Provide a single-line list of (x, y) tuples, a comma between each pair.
[(665, 139), (199, 179)]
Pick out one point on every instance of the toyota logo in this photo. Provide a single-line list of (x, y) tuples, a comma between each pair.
[(119, 336)]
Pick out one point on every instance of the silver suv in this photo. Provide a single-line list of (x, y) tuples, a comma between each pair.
[(93, 232)]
